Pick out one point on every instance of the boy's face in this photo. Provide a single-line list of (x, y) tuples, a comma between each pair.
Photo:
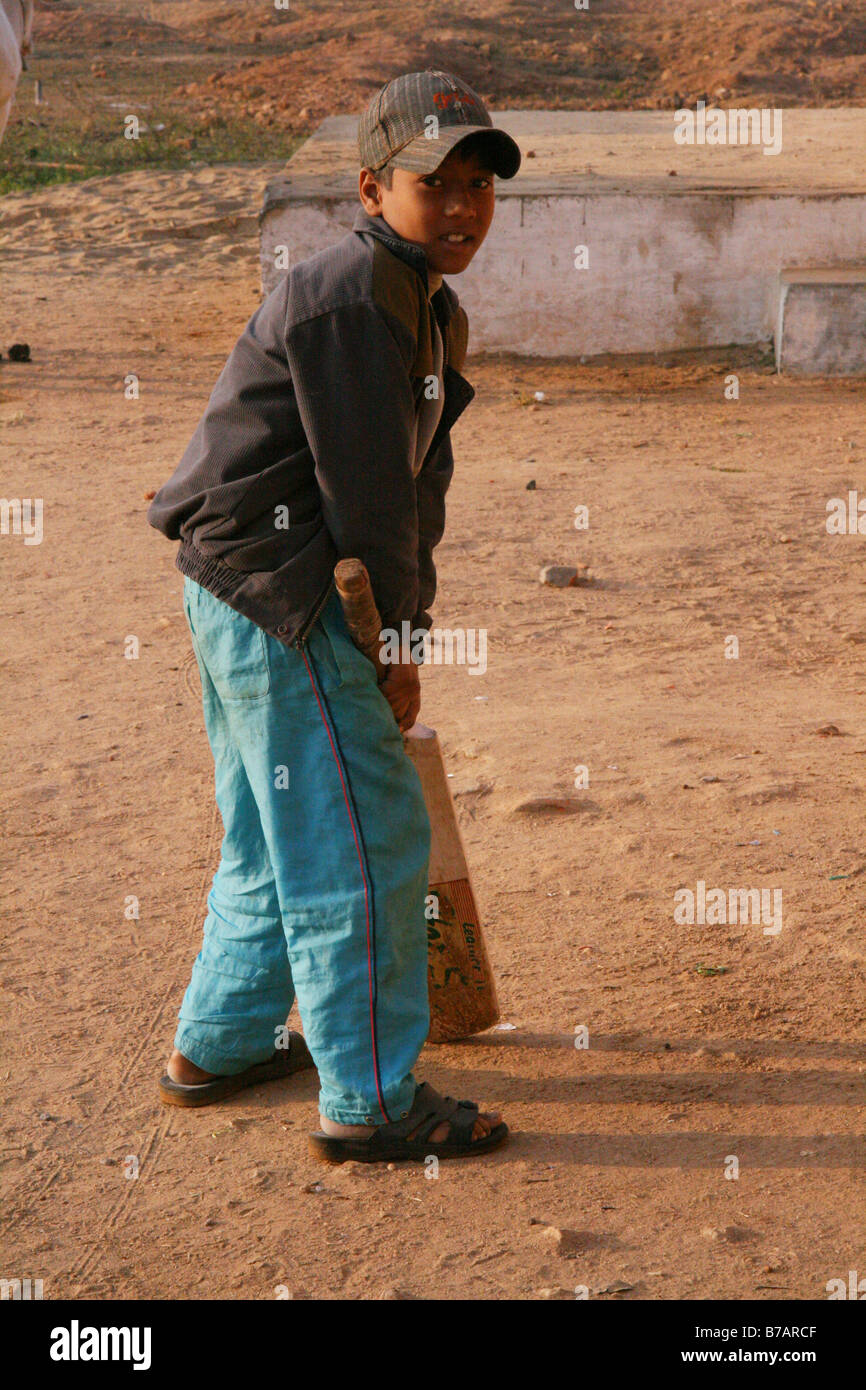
[(457, 199)]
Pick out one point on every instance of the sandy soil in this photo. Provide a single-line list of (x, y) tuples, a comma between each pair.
[(707, 519), (221, 80), (314, 61)]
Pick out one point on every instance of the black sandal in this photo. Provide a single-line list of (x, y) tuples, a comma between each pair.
[(285, 1062), (389, 1143)]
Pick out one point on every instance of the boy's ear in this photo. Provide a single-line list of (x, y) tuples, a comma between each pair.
[(369, 192)]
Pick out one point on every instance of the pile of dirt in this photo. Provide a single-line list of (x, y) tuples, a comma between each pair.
[(621, 54), (82, 28)]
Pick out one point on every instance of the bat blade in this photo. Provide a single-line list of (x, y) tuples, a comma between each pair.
[(461, 987)]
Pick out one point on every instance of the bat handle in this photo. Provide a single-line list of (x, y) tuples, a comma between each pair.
[(359, 608)]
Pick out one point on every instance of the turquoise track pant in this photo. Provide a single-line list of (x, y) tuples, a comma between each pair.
[(321, 886)]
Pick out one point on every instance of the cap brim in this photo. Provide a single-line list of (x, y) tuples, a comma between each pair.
[(423, 155)]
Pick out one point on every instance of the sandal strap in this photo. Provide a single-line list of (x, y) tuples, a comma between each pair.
[(463, 1123), (429, 1110)]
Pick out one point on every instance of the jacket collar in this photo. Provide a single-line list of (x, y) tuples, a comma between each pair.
[(407, 251)]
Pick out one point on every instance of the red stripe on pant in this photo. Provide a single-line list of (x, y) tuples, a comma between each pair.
[(364, 879)]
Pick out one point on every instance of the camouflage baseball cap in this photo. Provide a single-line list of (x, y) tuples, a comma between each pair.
[(395, 128)]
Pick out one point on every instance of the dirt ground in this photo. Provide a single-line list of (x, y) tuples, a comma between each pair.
[(706, 520), (242, 80)]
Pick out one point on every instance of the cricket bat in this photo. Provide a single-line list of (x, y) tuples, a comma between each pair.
[(461, 987)]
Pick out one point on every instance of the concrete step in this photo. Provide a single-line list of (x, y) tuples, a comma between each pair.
[(821, 322)]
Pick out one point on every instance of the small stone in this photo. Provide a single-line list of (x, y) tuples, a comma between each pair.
[(530, 486), (565, 576), (730, 1234), (555, 1294), (561, 1241), (19, 352), (559, 576), (829, 731)]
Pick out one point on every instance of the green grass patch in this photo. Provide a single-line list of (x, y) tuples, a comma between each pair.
[(77, 132), (35, 156)]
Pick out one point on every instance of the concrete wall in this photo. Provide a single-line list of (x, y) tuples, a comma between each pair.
[(663, 273)]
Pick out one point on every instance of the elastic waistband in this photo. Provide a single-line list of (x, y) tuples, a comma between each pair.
[(209, 573)]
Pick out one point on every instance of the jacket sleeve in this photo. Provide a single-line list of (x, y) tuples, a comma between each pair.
[(431, 486), (351, 374)]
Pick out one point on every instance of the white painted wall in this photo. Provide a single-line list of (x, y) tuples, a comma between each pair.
[(664, 272)]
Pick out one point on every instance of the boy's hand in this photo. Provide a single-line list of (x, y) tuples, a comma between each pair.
[(402, 689)]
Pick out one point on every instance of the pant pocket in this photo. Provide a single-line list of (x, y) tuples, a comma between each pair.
[(320, 649), (232, 647), (342, 662)]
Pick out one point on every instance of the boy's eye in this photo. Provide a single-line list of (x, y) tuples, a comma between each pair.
[(434, 181)]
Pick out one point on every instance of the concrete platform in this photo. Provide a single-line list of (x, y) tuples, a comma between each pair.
[(686, 244), (822, 323)]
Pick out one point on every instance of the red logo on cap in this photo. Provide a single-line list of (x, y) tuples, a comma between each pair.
[(453, 98)]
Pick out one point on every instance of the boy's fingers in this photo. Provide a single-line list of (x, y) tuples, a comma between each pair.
[(405, 706), (410, 717), (402, 689)]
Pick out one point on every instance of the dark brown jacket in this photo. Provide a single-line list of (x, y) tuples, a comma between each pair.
[(314, 413)]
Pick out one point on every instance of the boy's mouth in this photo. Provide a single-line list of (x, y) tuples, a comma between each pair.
[(457, 238)]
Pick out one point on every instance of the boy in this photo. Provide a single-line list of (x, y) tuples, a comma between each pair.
[(327, 436)]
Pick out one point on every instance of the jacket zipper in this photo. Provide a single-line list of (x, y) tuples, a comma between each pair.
[(301, 639)]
